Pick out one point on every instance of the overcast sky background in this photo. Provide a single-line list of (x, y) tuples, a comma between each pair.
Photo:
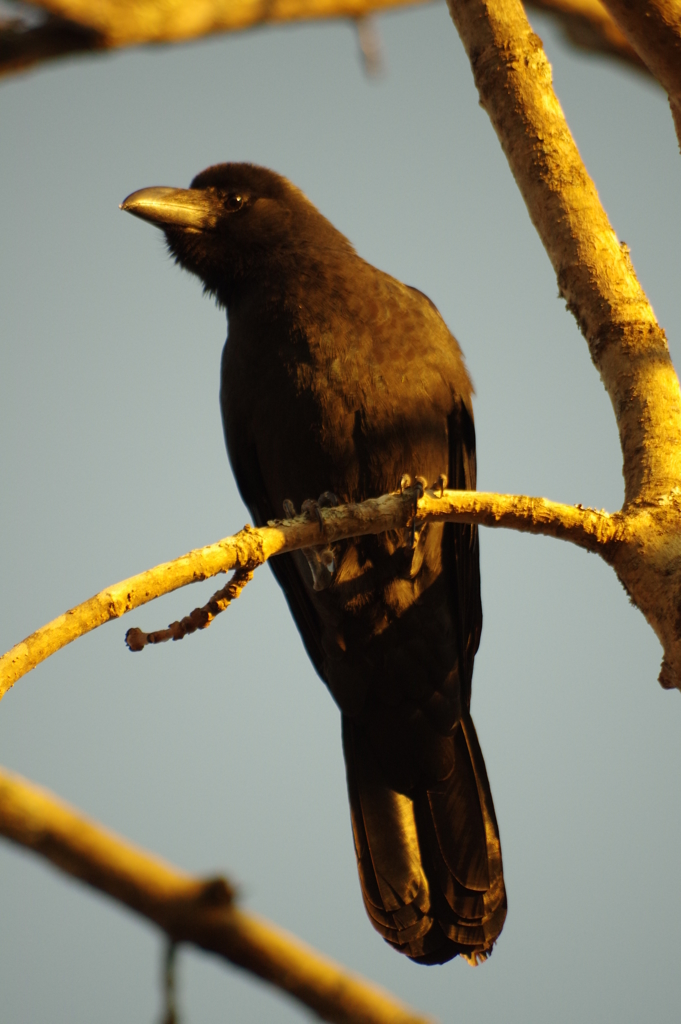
[(223, 752)]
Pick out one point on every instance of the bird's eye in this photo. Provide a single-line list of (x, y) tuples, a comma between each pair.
[(234, 201)]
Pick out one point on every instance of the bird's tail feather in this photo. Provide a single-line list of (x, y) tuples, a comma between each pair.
[(429, 862)]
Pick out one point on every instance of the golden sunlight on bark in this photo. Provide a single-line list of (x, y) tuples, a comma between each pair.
[(147, 21), (77, 26), (595, 531), (596, 277), (200, 911)]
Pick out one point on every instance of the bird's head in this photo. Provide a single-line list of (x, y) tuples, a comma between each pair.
[(237, 222)]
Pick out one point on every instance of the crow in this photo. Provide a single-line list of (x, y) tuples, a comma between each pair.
[(338, 380)]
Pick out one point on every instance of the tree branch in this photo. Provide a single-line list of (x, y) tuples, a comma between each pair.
[(595, 274), (188, 909), (588, 26), (78, 26), (595, 531), (131, 22), (654, 30), (597, 279)]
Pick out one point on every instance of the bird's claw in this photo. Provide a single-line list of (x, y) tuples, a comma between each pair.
[(417, 535), (420, 486), (313, 508), (320, 559)]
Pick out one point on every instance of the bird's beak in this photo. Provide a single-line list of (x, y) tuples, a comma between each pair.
[(173, 207)]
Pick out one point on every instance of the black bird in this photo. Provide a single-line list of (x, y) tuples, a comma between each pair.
[(338, 378)]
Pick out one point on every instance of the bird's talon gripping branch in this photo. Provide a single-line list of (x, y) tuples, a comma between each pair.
[(419, 489), (311, 508), (442, 482), (405, 483), (328, 500), (320, 559)]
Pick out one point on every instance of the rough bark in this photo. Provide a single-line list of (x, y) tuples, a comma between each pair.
[(596, 277)]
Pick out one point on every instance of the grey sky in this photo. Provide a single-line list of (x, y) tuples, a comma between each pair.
[(223, 752)]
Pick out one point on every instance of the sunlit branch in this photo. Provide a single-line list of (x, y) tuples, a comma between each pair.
[(595, 274), (251, 547), (188, 909), (596, 277), (78, 26)]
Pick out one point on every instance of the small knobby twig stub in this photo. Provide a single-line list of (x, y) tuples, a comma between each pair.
[(200, 618)]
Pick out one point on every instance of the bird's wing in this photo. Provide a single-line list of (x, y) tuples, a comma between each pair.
[(254, 494), (461, 554)]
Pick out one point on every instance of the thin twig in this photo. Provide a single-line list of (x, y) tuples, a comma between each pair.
[(200, 618), (189, 909), (369, 40)]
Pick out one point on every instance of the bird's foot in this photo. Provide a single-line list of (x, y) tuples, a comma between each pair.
[(418, 534), (319, 559), (326, 500), (421, 484)]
